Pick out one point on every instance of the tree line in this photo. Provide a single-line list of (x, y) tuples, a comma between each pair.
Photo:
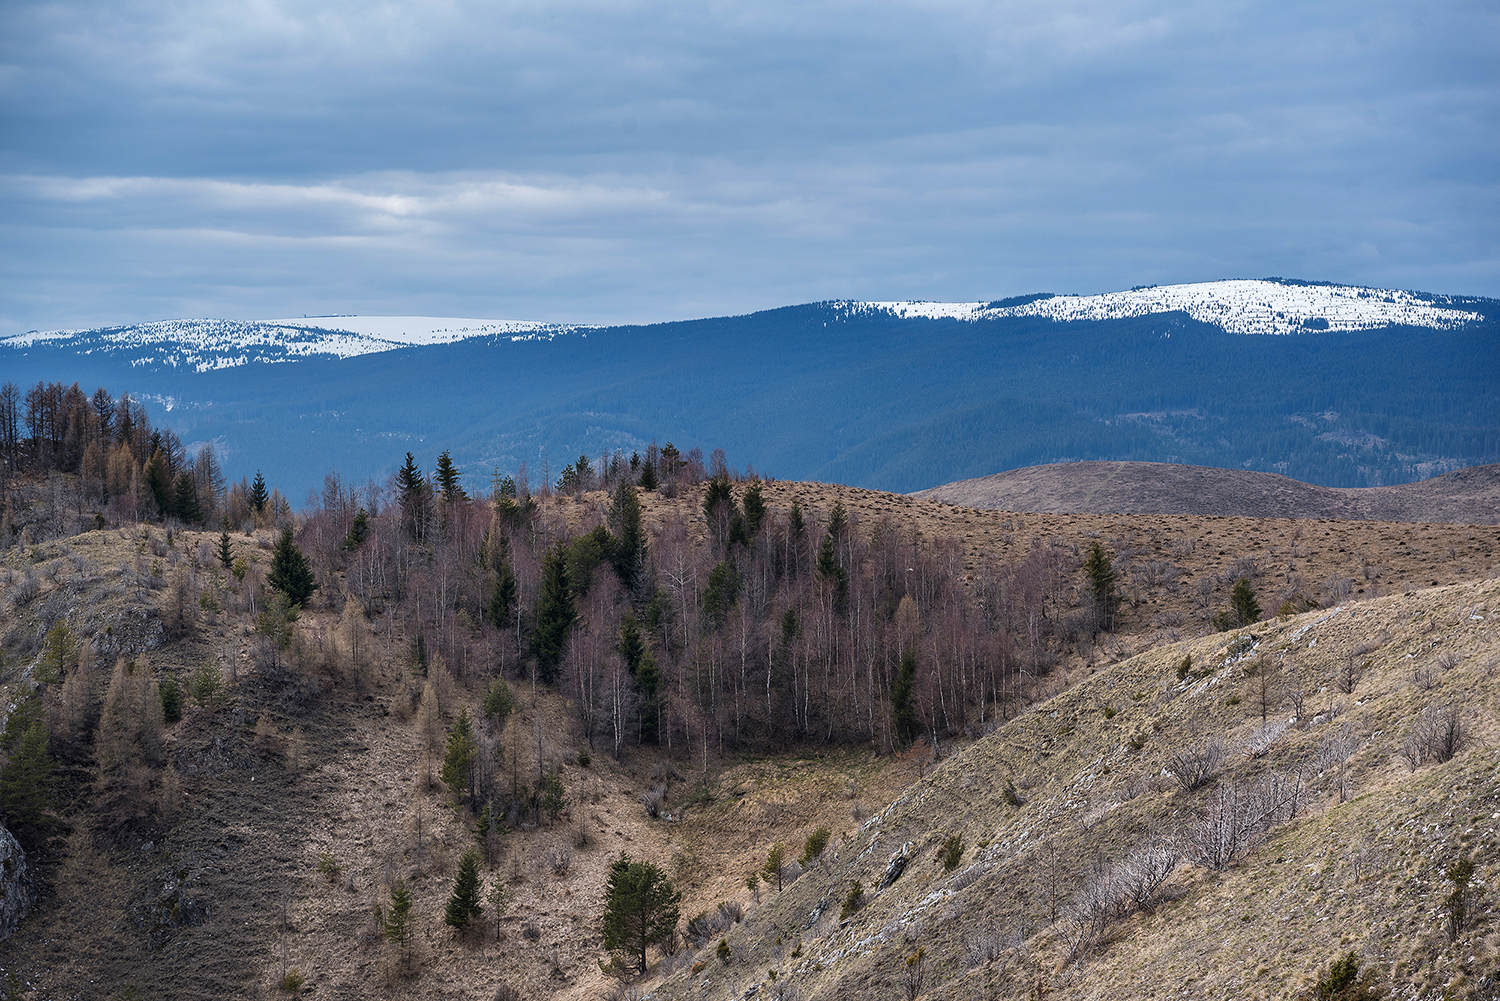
[(121, 463)]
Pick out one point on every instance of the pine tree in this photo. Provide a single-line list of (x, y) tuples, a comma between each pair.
[(26, 786), (291, 574), (554, 614), (463, 905), (502, 598), (641, 908), (414, 499), (258, 494), (628, 550)]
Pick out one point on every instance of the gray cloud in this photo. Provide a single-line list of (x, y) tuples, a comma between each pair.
[(599, 161)]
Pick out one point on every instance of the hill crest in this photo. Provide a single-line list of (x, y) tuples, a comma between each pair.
[(1469, 496)]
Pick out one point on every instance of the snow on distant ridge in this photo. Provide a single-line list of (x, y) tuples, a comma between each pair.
[(205, 344), (1238, 306)]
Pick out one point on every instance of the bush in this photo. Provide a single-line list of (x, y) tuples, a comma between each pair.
[(498, 701), (207, 685), (1437, 735), (171, 699), (724, 953), (1194, 767), (292, 980), (817, 842), (952, 852), (853, 901), (1344, 983)]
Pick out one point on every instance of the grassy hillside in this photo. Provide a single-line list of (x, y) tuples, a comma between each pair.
[(1052, 800), (255, 836)]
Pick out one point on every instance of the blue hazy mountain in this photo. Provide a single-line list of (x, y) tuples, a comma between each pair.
[(1335, 385)]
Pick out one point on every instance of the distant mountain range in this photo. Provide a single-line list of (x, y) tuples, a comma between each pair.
[(1358, 387)]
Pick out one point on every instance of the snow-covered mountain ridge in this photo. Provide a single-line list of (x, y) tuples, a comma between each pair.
[(1240, 306), (205, 344), (1270, 306)]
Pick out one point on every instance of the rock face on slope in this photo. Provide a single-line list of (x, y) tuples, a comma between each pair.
[(17, 885)]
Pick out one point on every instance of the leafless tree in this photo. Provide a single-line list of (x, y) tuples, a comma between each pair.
[(1195, 766)]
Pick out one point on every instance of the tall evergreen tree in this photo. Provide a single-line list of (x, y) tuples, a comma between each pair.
[(291, 573), (224, 552), (1102, 578), (628, 552), (26, 786), (1242, 600), (415, 503), (554, 614), (159, 483), (259, 496), (502, 606), (396, 922), (755, 508), (448, 479), (463, 905), (185, 500), (458, 760), (904, 719)]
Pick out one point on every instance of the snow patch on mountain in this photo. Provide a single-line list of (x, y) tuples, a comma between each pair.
[(1238, 306), (203, 344)]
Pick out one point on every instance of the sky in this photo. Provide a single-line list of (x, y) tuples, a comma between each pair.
[(620, 161)]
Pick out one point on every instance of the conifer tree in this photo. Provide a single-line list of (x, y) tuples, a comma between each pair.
[(159, 483), (458, 761), (641, 908), (291, 573), (1102, 577), (359, 531), (396, 922), (1242, 599), (414, 499), (628, 548), (448, 479), (259, 496), (26, 786), (554, 614), (225, 553), (185, 499), (755, 508), (648, 479), (904, 719), (463, 905), (503, 598)]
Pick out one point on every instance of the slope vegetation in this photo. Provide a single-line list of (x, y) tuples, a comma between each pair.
[(1053, 805), (1463, 497)]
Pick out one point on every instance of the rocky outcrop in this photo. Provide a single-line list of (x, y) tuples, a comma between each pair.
[(17, 885)]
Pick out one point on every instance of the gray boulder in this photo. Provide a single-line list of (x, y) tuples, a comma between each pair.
[(17, 885)]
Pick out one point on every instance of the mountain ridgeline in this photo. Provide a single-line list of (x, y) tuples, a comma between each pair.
[(888, 398)]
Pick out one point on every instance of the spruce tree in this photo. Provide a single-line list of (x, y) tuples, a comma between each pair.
[(458, 760), (414, 499), (291, 574), (554, 614), (448, 479), (649, 480), (463, 905), (259, 496), (503, 598), (159, 483), (628, 550), (359, 531), (1242, 599), (904, 719), (225, 553), (26, 786), (185, 500), (1102, 577), (396, 922), (755, 508)]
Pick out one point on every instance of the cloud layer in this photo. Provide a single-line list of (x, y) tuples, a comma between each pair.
[(637, 161)]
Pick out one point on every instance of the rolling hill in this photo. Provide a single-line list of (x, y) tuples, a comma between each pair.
[(1463, 497)]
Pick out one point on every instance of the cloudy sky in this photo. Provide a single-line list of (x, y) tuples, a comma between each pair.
[(621, 160)]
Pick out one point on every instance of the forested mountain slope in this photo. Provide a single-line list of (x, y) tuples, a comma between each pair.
[(896, 396)]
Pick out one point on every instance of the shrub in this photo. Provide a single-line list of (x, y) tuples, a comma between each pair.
[(1344, 983), (1437, 735), (1457, 903), (328, 866), (207, 685), (171, 699), (292, 980), (724, 953), (1194, 767), (853, 901), (653, 799), (817, 842), (952, 852)]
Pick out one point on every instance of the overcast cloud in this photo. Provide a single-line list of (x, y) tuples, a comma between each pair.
[(638, 161)]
